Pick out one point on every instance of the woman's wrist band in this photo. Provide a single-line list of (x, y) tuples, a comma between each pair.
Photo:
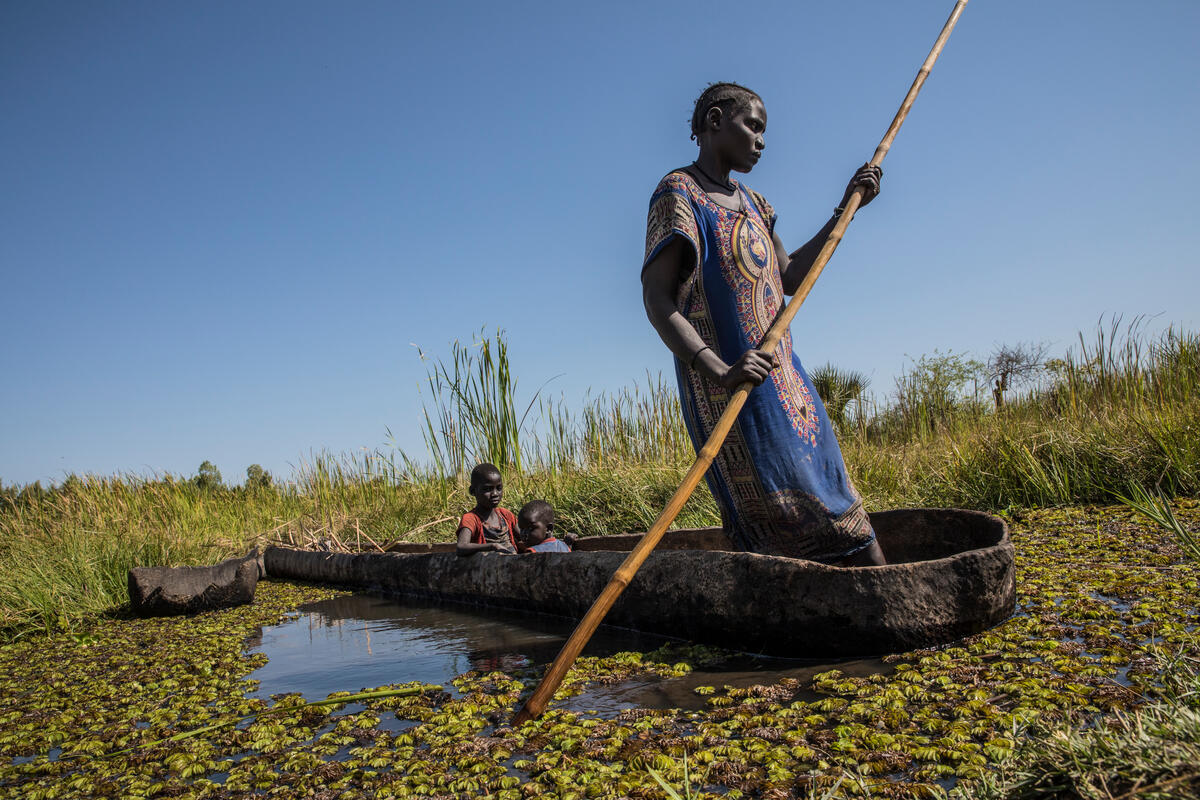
[(695, 355)]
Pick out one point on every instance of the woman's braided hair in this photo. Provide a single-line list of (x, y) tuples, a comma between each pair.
[(729, 97)]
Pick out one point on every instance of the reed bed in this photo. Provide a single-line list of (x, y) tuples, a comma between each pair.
[(1120, 409)]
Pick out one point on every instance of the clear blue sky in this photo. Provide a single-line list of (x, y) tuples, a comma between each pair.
[(222, 224)]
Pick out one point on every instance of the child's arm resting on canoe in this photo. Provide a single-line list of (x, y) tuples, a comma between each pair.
[(466, 547)]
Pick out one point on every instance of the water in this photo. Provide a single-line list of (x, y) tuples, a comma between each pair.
[(362, 640)]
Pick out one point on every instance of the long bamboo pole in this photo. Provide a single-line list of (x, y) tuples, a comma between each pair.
[(541, 696)]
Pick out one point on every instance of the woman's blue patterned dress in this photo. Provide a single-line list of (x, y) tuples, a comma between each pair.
[(779, 478)]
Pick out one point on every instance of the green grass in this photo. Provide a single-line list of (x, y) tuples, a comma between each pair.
[(1119, 410)]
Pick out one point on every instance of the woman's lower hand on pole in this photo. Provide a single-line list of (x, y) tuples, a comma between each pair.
[(752, 368)]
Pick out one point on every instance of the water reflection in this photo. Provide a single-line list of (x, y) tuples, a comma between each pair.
[(361, 640)]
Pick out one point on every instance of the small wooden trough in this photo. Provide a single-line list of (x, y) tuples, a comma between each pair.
[(160, 591), (950, 574)]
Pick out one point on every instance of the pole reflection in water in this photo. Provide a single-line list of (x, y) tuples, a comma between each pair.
[(362, 640)]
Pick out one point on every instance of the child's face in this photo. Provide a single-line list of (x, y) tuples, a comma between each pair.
[(488, 492), (532, 531)]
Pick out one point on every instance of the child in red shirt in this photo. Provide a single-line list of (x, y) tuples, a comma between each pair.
[(487, 527)]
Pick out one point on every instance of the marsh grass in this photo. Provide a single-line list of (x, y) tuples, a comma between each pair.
[(65, 553), (1120, 409)]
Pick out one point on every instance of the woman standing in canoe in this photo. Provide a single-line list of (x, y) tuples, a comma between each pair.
[(714, 277)]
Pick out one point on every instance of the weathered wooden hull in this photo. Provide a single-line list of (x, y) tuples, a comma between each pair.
[(950, 575)]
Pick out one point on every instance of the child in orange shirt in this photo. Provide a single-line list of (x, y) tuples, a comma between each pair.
[(488, 527)]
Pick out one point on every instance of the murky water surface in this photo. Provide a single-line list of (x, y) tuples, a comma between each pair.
[(359, 641)]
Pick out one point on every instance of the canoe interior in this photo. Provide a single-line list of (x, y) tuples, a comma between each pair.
[(905, 535)]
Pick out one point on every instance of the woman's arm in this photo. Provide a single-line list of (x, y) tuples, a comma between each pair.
[(660, 283), (794, 266)]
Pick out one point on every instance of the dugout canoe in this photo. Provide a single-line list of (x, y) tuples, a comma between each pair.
[(950, 574)]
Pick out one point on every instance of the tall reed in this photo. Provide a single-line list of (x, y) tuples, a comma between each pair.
[(474, 412), (471, 416)]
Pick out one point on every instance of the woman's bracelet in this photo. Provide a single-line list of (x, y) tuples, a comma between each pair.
[(695, 355)]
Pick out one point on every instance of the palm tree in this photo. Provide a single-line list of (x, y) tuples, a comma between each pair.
[(837, 388)]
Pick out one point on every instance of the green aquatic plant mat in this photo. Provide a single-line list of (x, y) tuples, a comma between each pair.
[(339, 699), (669, 789), (1151, 752), (1105, 600)]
